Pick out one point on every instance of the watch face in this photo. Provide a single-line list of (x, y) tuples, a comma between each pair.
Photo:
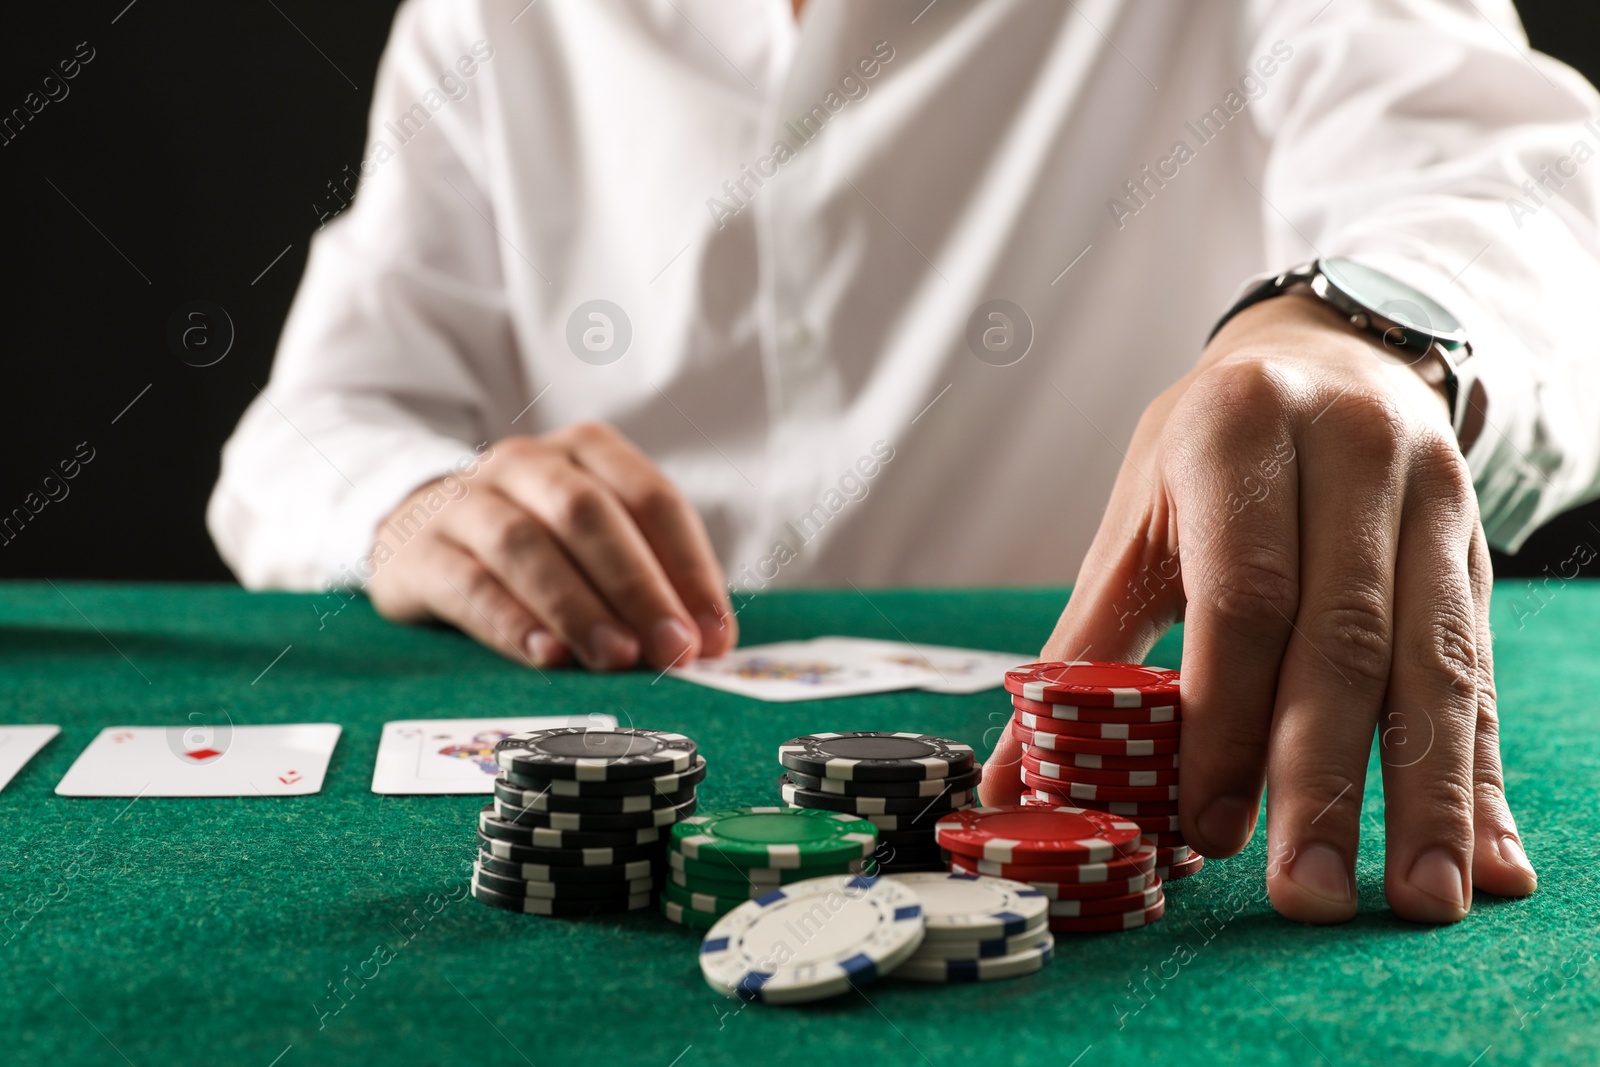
[(1394, 300)]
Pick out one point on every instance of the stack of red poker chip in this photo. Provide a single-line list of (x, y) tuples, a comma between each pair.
[(1104, 736), (1095, 868)]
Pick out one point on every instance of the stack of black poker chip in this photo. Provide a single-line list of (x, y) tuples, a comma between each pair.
[(901, 782), (581, 817)]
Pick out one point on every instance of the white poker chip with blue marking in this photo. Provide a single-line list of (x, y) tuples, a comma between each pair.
[(975, 907), (813, 939), (930, 969)]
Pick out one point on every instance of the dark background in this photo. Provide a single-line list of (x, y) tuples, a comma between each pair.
[(197, 141)]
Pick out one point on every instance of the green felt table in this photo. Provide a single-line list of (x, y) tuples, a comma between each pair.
[(183, 931)]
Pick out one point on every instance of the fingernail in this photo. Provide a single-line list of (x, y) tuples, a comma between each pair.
[(1225, 823), (670, 640), (713, 630), (1435, 873), (1321, 871), (1511, 852), (543, 648), (611, 647)]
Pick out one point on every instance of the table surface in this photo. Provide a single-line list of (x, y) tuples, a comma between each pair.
[(174, 932)]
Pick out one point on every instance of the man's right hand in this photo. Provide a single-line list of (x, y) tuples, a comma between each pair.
[(567, 544)]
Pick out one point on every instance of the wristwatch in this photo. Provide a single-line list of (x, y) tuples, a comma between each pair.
[(1409, 327)]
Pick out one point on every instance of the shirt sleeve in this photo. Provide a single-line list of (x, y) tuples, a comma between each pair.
[(398, 337), (1425, 139)]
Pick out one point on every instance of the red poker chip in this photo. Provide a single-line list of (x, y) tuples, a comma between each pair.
[(1114, 748), (1162, 838), (1117, 887), (1094, 684), (1099, 924), (1095, 762), (1072, 791), (1140, 862), (1167, 855), (1115, 807), (1161, 714), (1181, 870), (1075, 909), (1023, 833), (1067, 773), (1089, 729), (1154, 825)]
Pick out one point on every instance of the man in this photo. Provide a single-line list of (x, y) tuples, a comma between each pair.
[(640, 299)]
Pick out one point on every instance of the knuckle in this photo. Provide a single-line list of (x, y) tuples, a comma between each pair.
[(1256, 591), (1356, 634), (1440, 464), (513, 538), (1331, 797), (589, 432), (1371, 423), (1249, 388), (578, 508), (1446, 660)]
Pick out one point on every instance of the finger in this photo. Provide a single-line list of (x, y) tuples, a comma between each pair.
[(1002, 772), (669, 524), (594, 529), (1235, 485), (460, 590), (1499, 864), (1431, 711), (524, 559), (1337, 663)]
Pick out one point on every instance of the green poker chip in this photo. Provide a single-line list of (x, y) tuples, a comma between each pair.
[(694, 920), (704, 903), (770, 877), (785, 838)]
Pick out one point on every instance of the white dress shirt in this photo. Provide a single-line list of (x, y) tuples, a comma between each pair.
[(797, 317)]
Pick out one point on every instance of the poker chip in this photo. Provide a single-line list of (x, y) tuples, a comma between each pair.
[(1089, 683), (1154, 824), (708, 903), (806, 798), (1140, 861), (586, 820), (519, 887), (1164, 839), (1091, 731), (723, 870), (1168, 855), (1094, 924), (1097, 762), (1070, 791), (1120, 887), (924, 822), (695, 920), (492, 826), (876, 756), (596, 754), (540, 872), (867, 928), (1116, 807), (1037, 834), (775, 837), (921, 787), (1102, 752), (567, 857), (1075, 908), (1159, 713), (971, 907), (661, 784), (902, 855), (1181, 870), (933, 969), (733, 890), (980, 950), (568, 908), (545, 800), (1064, 773)]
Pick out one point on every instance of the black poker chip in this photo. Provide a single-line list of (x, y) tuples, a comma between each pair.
[(584, 820), (589, 856), (545, 872), (674, 782), (563, 908), (596, 754), (544, 799), (520, 887), (921, 787), (908, 838), (876, 756), (807, 798), (492, 825)]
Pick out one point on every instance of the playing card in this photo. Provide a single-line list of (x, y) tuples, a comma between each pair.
[(202, 760), (454, 755), (800, 670), (943, 669), (18, 745)]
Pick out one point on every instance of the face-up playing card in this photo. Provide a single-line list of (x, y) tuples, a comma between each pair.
[(800, 670), (18, 745), (454, 755), (943, 669), (203, 761)]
